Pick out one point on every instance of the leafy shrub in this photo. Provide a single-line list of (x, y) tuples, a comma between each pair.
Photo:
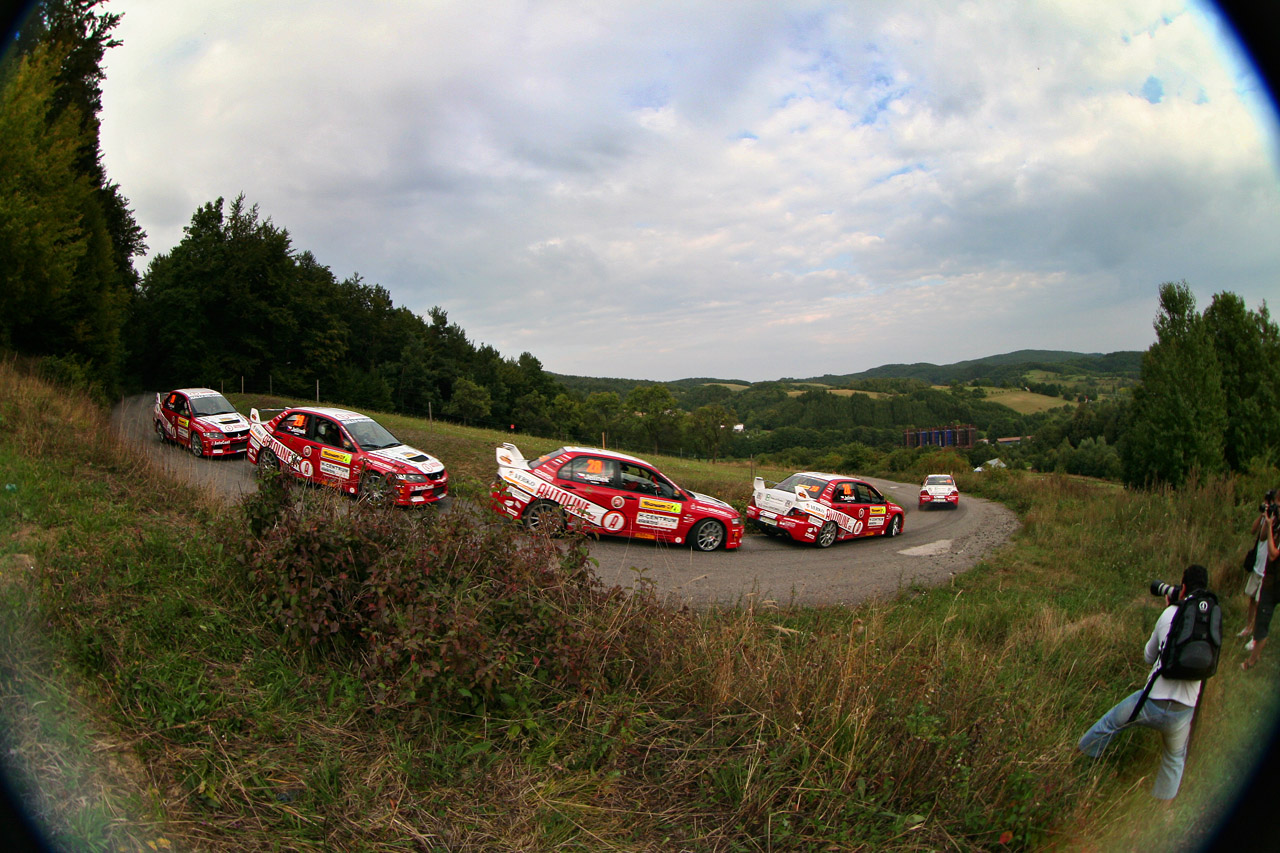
[(440, 609)]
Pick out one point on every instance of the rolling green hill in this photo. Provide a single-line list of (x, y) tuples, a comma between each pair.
[(1014, 368)]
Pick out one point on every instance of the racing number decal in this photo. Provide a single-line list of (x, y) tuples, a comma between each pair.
[(305, 468), (613, 521)]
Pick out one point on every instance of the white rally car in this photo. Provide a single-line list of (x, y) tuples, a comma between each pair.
[(939, 490), (201, 420), (823, 509)]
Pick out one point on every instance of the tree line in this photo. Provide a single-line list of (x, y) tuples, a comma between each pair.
[(236, 304), (67, 235)]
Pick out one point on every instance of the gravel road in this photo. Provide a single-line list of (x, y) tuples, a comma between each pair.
[(934, 546)]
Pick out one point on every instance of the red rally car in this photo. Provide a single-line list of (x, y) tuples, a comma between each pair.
[(201, 420), (604, 492), (348, 451), (823, 509)]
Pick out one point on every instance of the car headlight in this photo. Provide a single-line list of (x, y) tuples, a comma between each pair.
[(412, 478), (735, 521), (214, 435)]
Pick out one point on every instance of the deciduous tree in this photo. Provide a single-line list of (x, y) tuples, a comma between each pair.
[(1178, 417), (1247, 344)]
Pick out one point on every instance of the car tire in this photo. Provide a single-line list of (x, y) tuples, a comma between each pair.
[(160, 433), (895, 526), (544, 517), (268, 463), (374, 490), (707, 535), (195, 444), (827, 535)]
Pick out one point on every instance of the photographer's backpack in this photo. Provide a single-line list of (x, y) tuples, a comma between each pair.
[(1190, 652)]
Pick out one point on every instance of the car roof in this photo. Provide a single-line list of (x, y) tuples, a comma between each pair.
[(817, 475), (340, 415), (599, 451), (197, 392)]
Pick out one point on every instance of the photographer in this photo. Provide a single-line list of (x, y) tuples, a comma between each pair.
[(1253, 583), (1269, 593), (1170, 703)]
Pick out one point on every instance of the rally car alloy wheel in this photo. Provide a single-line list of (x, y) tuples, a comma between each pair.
[(374, 489), (197, 444), (895, 526), (827, 534), (160, 433), (544, 516), (268, 464), (708, 535)]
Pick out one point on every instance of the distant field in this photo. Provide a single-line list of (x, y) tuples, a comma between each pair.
[(841, 392), (732, 386), (1024, 402), (1104, 387)]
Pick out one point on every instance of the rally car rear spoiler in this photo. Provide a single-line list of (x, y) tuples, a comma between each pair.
[(255, 418), (508, 454)]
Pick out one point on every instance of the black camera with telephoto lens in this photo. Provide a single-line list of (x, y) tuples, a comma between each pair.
[(1166, 590), (1268, 506)]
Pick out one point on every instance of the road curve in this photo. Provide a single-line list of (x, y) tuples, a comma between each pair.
[(934, 546)]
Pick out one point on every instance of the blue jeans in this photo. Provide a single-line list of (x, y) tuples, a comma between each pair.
[(1174, 728)]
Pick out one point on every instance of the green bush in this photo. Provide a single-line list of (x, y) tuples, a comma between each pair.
[(439, 609)]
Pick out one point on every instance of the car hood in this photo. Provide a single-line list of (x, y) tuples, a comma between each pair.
[(403, 456), (229, 422), (713, 505)]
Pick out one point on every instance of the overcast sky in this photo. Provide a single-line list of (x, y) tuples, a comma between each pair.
[(747, 190)]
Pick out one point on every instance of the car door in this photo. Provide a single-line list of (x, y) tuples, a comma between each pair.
[(172, 410), (847, 500), (653, 503), (291, 431), (877, 508), (330, 452), (595, 479)]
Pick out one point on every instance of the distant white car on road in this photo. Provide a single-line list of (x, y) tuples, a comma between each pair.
[(939, 490)]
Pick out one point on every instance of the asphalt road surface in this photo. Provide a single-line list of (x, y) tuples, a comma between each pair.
[(934, 546)]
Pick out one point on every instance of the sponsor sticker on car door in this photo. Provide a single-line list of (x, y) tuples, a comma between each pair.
[(335, 463)]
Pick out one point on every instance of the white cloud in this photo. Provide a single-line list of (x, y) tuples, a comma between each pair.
[(665, 190)]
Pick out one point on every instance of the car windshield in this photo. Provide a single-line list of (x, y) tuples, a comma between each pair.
[(371, 435), (215, 404), (938, 480), (812, 485)]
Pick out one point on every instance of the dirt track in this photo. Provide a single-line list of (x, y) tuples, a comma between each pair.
[(934, 546)]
